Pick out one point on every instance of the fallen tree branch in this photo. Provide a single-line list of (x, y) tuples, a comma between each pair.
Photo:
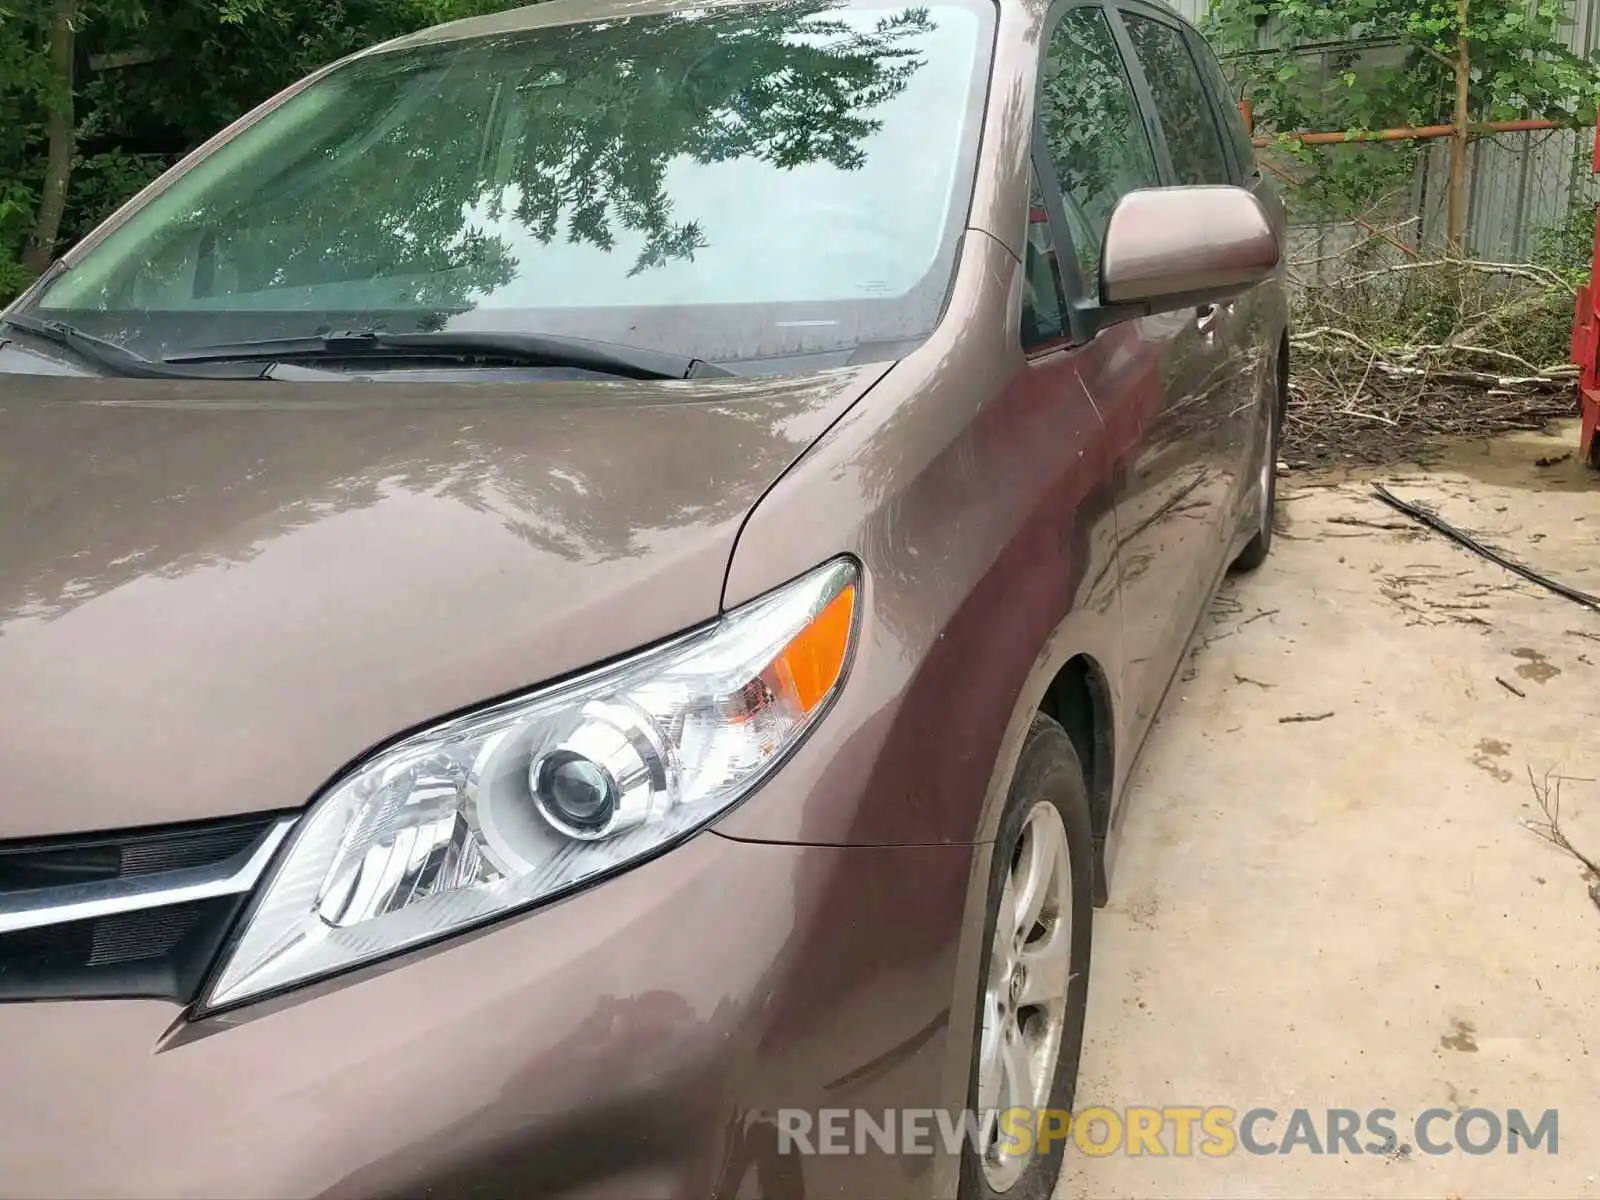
[(1488, 352), (1516, 270), (1388, 363), (1557, 376), (1384, 234), (1307, 336), (1401, 359), (1549, 800), (1366, 416)]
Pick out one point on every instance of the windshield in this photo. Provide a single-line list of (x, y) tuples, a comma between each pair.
[(745, 182)]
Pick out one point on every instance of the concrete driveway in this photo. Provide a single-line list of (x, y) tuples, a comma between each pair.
[(1328, 894)]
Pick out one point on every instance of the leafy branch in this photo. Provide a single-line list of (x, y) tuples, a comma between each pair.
[(1364, 65)]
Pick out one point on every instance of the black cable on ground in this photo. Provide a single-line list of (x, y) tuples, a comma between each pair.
[(1434, 521)]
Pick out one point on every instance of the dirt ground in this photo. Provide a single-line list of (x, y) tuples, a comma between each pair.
[(1352, 910)]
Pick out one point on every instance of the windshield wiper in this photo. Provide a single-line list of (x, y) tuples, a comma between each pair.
[(524, 349), (119, 360)]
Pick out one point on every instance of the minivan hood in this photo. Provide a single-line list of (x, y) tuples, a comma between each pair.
[(213, 596)]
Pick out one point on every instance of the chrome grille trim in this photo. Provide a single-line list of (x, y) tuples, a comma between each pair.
[(40, 908)]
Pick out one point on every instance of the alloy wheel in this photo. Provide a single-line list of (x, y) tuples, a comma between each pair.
[(1025, 993)]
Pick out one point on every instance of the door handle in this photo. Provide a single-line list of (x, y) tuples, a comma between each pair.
[(1209, 316)]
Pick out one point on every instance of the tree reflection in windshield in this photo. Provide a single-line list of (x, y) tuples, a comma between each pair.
[(785, 85), (434, 176)]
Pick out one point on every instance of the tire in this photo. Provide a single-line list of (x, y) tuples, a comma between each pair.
[(1260, 545), (1048, 798)]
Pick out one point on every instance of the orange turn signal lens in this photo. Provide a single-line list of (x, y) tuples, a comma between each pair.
[(814, 659)]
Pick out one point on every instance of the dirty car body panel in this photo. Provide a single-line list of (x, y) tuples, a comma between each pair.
[(219, 597)]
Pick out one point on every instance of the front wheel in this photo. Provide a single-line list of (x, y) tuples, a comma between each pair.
[(1034, 976)]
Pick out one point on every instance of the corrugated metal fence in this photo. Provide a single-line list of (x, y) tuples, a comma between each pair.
[(1524, 187)]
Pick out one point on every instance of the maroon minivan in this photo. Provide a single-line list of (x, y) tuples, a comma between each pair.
[(579, 591)]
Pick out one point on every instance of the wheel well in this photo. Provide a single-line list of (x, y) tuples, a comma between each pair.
[(1080, 702)]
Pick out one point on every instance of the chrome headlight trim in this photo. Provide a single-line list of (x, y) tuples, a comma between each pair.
[(441, 832)]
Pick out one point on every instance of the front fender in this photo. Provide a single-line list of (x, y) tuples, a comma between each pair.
[(973, 486)]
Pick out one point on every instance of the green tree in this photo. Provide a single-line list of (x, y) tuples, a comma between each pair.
[(97, 97), (60, 136), (610, 105), (1460, 62)]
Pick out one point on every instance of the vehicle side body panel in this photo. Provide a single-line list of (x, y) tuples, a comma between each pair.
[(818, 945)]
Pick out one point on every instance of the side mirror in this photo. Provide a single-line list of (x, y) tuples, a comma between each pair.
[(1168, 248)]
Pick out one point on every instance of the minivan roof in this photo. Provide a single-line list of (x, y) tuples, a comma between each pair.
[(573, 12), (551, 12)]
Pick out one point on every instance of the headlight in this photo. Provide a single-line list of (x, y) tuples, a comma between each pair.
[(511, 805)]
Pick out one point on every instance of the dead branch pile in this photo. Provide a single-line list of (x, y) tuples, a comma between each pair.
[(1391, 358)]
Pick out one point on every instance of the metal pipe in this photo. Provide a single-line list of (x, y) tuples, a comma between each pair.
[(1410, 133)]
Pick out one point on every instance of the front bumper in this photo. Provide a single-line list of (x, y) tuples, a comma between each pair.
[(630, 1042)]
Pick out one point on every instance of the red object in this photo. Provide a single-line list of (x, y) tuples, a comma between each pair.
[(1586, 349)]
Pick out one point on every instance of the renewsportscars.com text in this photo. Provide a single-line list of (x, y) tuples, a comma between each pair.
[(1177, 1130)]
